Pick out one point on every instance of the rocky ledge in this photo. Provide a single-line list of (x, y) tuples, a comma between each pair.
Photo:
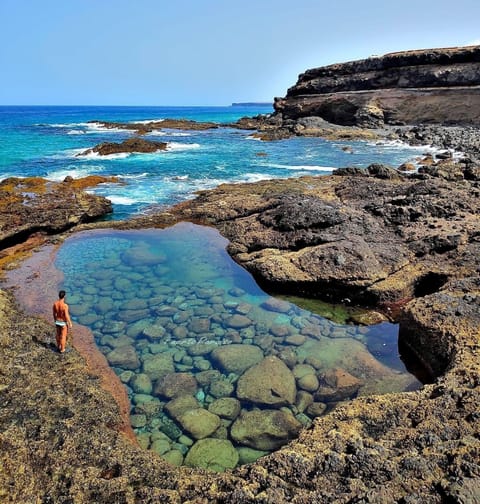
[(131, 145), (143, 128), (438, 86), (35, 205)]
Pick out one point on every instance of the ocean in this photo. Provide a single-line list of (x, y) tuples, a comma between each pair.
[(45, 141)]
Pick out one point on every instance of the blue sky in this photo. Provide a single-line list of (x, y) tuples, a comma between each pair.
[(203, 52)]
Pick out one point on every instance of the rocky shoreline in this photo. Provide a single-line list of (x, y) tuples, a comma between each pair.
[(416, 257)]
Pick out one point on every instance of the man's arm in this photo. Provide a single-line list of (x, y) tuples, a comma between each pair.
[(67, 316)]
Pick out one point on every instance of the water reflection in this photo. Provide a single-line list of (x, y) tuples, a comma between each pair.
[(217, 371)]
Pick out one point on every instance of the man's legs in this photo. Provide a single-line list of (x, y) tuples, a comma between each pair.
[(61, 338)]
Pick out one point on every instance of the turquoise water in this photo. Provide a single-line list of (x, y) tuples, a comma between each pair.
[(173, 314), (45, 141)]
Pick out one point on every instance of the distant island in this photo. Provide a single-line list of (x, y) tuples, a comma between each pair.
[(250, 104)]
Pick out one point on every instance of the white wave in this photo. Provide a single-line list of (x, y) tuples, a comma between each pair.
[(74, 172), (99, 128), (250, 137), (177, 146), (179, 177), (10, 175), (121, 200), (298, 167), (255, 177), (146, 121), (138, 176), (76, 132), (96, 155), (157, 133)]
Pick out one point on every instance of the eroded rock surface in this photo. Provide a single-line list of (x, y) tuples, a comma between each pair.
[(30, 205), (439, 86), (131, 145)]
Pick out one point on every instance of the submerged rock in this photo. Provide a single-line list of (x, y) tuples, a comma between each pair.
[(212, 454), (199, 422), (265, 429), (236, 358), (125, 357), (175, 384), (269, 383)]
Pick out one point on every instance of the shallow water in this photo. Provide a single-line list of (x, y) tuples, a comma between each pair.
[(172, 312)]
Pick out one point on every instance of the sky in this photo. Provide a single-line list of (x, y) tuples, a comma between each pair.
[(204, 52)]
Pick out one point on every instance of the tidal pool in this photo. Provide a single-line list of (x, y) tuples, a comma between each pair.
[(218, 372)]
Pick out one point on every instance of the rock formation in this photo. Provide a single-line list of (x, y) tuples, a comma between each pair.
[(131, 145), (31, 205), (439, 86)]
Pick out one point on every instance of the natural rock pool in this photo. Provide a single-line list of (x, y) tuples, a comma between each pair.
[(218, 372)]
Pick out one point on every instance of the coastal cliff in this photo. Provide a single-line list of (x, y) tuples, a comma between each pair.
[(433, 86)]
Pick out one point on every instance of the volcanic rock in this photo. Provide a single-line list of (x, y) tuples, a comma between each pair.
[(269, 382), (130, 145), (265, 429)]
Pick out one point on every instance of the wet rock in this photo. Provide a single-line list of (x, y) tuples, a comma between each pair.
[(138, 421), (308, 382), (199, 325), (130, 145), (156, 366), (265, 429), (238, 321), (303, 400), (226, 407), (337, 384), (125, 358), (316, 409), (276, 305), (249, 455), (154, 332), (177, 407), (212, 454), (174, 384), (269, 383), (236, 358), (280, 330), (160, 446), (141, 384), (199, 422), (220, 388), (174, 457)]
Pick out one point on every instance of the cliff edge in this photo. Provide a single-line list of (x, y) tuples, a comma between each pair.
[(430, 86)]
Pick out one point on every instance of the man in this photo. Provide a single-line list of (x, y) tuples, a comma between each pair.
[(62, 321)]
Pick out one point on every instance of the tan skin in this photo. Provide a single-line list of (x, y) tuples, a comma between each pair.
[(61, 314)]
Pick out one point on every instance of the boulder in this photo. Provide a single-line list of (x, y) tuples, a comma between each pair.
[(175, 384), (158, 365), (125, 357), (238, 321), (177, 407), (265, 429), (336, 385), (236, 358), (225, 407), (199, 422), (212, 454), (141, 383), (270, 383)]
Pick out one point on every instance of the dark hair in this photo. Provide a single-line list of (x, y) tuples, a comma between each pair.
[(61, 294)]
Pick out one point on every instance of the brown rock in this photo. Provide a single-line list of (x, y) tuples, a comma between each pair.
[(175, 384), (270, 383)]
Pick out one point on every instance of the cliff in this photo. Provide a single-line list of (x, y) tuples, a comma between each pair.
[(434, 86)]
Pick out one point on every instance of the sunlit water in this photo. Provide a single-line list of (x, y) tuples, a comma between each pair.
[(46, 141), (174, 315)]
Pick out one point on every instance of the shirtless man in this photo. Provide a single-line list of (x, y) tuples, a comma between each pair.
[(62, 321)]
